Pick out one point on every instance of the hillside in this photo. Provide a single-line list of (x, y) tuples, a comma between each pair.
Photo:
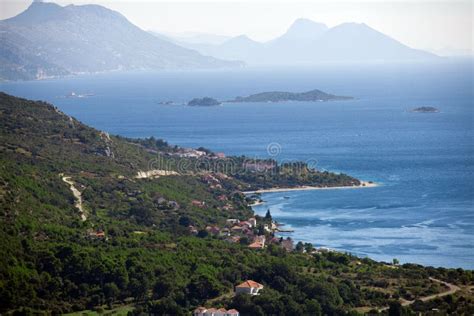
[(92, 221), (48, 40)]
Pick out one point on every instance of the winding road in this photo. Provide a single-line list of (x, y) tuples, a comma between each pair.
[(451, 290), (77, 196)]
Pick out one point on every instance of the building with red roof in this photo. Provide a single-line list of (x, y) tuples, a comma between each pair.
[(203, 311), (248, 287)]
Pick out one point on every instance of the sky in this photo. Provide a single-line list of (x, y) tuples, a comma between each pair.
[(443, 25)]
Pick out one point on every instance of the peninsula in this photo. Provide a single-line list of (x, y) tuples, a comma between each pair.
[(279, 96)]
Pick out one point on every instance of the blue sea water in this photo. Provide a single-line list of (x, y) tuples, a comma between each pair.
[(423, 210)]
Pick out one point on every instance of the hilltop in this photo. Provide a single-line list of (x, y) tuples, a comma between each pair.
[(90, 220)]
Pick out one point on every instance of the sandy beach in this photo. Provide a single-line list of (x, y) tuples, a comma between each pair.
[(256, 203), (364, 184)]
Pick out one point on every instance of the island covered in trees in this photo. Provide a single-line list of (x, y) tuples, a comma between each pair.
[(206, 101), (99, 224), (278, 96)]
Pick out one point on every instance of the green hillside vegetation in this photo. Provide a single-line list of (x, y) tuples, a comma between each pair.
[(148, 260)]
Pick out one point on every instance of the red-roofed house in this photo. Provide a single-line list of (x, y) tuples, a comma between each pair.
[(199, 311), (221, 312), (220, 155), (245, 223), (258, 242), (236, 229), (198, 203), (214, 230), (210, 311), (248, 287), (203, 311), (256, 245)]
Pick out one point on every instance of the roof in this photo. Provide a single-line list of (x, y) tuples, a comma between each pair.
[(256, 244), (232, 311), (250, 284), (200, 309)]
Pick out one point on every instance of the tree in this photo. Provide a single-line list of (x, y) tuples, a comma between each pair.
[(184, 221), (111, 292), (395, 261), (165, 306), (395, 309), (313, 307), (299, 246), (202, 233), (244, 241), (268, 215), (308, 247), (163, 287), (203, 286)]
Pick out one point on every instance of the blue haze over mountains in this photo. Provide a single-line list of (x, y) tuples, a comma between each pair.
[(48, 40), (309, 42)]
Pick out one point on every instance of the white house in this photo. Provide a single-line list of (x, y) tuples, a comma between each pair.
[(203, 311), (252, 221), (232, 221), (248, 287)]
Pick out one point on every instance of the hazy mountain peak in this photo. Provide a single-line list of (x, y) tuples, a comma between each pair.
[(305, 28), (354, 26), (241, 38), (37, 12)]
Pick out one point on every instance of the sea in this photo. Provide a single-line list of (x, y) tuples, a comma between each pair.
[(422, 210)]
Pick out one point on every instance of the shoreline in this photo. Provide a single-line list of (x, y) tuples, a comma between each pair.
[(364, 184), (257, 203)]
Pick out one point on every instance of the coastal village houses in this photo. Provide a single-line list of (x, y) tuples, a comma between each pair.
[(248, 287), (203, 311), (258, 243)]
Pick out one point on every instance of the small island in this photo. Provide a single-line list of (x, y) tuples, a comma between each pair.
[(425, 109), (206, 101), (278, 96)]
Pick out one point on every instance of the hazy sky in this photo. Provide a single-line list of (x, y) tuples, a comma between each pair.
[(420, 24)]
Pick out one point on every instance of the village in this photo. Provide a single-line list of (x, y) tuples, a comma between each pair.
[(256, 232)]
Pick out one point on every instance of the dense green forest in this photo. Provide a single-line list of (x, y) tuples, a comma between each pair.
[(91, 221)]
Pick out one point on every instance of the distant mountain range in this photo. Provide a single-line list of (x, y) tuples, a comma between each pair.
[(309, 42), (48, 40)]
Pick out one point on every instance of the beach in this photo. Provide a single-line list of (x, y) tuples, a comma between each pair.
[(364, 184)]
